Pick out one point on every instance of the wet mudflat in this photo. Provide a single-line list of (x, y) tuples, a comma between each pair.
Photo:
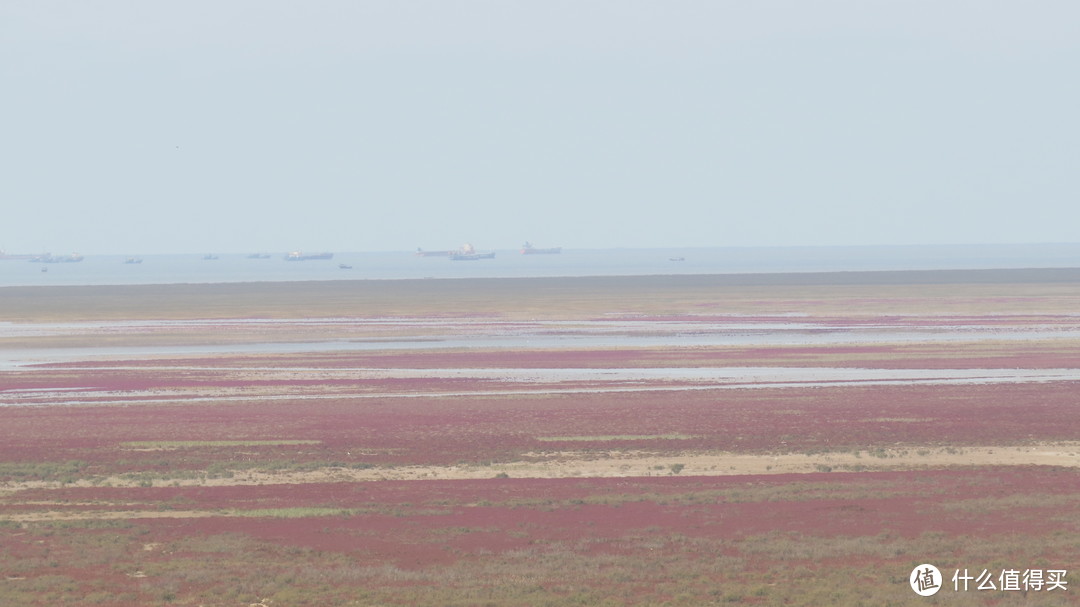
[(638, 441)]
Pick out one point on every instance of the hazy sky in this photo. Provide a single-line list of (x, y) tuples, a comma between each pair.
[(269, 125)]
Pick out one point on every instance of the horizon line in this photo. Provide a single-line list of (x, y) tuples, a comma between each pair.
[(584, 248)]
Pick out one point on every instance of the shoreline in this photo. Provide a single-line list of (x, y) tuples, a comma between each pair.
[(1049, 274), (522, 298)]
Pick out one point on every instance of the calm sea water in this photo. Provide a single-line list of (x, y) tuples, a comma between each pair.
[(160, 269)]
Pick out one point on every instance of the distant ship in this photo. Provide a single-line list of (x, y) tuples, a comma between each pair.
[(468, 253), (133, 260), (50, 258), (259, 256), (210, 257), (528, 249), (16, 257), (422, 253), (472, 256), (299, 256)]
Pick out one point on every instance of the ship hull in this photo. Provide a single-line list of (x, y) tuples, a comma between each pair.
[(529, 249), (434, 253), (296, 256), (472, 256)]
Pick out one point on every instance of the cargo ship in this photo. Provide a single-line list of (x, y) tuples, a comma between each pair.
[(468, 253), (50, 258), (299, 256), (422, 253), (528, 249), (472, 256), (16, 257)]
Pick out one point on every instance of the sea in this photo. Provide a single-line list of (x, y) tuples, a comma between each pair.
[(241, 267)]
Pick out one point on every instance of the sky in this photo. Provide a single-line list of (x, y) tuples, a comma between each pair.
[(231, 126)]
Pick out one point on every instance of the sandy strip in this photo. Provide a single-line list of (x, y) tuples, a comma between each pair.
[(773, 378), (109, 515), (638, 464), (617, 464)]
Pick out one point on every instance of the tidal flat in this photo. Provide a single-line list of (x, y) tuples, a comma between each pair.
[(797, 439)]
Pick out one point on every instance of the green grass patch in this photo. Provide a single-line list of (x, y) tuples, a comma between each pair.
[(232, 469), (67, 471)]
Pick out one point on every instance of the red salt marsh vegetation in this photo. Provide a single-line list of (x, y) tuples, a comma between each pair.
[(792, 539), (184, 439), (490, 458)]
